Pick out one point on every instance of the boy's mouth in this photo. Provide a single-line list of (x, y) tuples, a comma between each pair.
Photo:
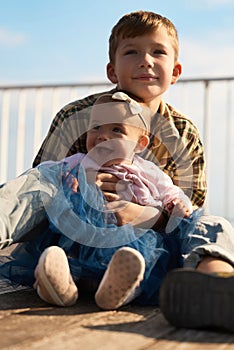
[(147, 77)]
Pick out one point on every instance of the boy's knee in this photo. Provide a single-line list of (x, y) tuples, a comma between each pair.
[(219, 222)]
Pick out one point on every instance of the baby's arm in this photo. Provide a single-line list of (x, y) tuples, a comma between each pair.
[(175, 202), (68, 179), (71, 182), (178, 207)]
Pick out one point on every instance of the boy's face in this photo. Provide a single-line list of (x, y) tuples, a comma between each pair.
[(145, 65), (114, 142)]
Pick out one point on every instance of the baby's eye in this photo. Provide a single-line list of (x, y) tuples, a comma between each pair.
[(95, 127), (117, 129)]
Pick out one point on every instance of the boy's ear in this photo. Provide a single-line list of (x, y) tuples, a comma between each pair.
[(142, 143), (177, 71), (110, 72)]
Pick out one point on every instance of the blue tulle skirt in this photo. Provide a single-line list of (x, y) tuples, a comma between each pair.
[(88, 259)]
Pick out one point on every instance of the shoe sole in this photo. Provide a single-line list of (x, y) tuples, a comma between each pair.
[(124, 274), (190, 299), (54, 276)]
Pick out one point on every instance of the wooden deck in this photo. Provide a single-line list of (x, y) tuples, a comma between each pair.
[(27, 323)]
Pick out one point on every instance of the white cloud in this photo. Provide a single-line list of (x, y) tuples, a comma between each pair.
[(11, 38), (212, 3), (209, 4), (210, 56)]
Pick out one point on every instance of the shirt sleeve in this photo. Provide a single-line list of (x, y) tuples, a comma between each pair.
[(195, 187), (160, 184), (177, 148)]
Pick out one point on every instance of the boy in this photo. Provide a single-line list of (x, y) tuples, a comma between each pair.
[(143, 52)]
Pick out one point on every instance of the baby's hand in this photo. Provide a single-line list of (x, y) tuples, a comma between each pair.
[(71, 182), (178, 207)]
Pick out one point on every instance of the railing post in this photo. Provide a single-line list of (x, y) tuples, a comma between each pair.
[(4, 136), (20, 147), (38, 119), (228, 152), (206, 137)]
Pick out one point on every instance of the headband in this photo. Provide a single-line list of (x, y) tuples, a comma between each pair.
[(134, 107)]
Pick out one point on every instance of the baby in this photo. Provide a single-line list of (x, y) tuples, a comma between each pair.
[(118, 131)]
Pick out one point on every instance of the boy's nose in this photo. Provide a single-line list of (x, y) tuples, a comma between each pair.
[(146, 60)]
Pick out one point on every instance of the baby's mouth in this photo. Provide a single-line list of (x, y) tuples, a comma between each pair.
[(104, 150), (101, 154)]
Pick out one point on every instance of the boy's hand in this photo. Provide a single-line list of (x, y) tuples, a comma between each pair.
[(108, 184), (178, 207), (127, 212)]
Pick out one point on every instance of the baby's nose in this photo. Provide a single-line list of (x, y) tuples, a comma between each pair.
[(103, 135)]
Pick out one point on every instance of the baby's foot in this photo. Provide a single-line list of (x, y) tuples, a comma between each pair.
[(54, 283), (122, 277)]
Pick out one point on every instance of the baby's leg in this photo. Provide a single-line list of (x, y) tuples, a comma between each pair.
[(120, 283), (54, 282)]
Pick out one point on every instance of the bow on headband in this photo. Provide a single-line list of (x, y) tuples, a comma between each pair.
[(134, 107)]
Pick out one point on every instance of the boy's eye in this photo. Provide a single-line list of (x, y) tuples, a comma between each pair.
[(160, 52), (131, 52)]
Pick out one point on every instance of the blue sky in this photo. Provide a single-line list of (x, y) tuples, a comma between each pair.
[(66, 41), (51, 41)]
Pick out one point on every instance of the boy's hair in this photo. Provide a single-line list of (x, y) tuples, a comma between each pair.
[(137, 24)]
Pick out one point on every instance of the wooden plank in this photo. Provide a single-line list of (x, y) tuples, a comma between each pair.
[(26, 322)]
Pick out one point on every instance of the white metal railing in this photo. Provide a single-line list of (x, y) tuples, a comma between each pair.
[(26, 112)]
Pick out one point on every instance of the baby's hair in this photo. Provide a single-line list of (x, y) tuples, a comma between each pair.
[(137, 24), (108, 98), (144, 113)]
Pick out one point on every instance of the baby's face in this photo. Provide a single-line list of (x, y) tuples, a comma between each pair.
[(111, 139)]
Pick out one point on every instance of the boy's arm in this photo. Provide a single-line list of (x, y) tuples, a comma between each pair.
[(145, 217), (195, 151), (173, 198), (178, 149)]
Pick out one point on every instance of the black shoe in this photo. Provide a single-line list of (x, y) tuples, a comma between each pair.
[(191, 299)]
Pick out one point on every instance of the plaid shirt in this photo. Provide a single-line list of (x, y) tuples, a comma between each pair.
[(175, 144)]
